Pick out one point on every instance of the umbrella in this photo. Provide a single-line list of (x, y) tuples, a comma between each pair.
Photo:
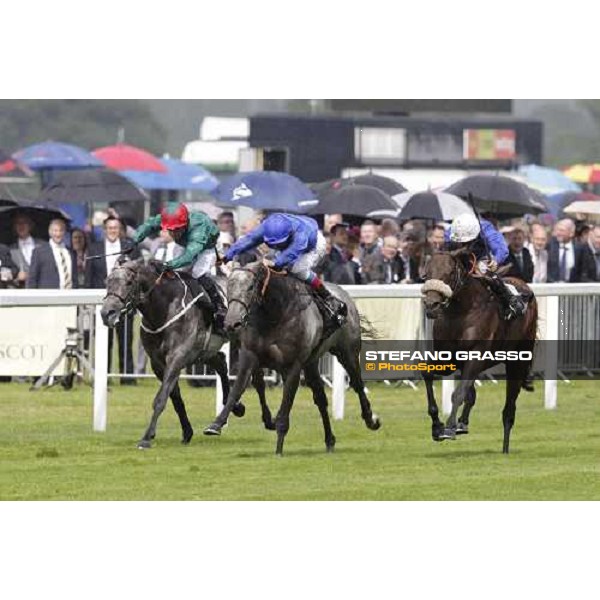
[(11, 167), (558, 202), (39, 212), (179, 176), (584, 173), (357, 200), (55, 155), (590, 207), (265, 190), (7, 202), (437, 206), (499, 195), (385, 184), (122, 157), (91, 186), (547, 181)]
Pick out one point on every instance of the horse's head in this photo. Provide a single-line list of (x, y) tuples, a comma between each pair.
[(243, 291), (445, 274), (124, 289)]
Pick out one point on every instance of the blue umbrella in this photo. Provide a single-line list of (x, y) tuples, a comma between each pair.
[(548, 181), (56, 155), (266, 190), (179, 176)]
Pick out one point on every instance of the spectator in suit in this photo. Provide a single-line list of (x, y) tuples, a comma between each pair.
[(369, 240), (338, 266), (22, 250), (79, 245), (594, 244), (387, 267), (519, 256), (539, 254), (53, 265), (568, 261), (8, 269), (406, 247), (97, 271)]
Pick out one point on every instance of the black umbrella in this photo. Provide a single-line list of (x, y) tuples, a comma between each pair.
[(39, 212), (7, 202), (499, 195), (385, 184), (91, 186), (357, 200), (437, 206)]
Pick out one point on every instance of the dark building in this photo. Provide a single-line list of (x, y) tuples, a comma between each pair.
[(320, 147)]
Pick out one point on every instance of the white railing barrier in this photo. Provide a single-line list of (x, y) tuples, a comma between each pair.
[(549, 331)]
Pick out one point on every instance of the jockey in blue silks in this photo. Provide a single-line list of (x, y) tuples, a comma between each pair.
[(300, 246), (490, 250)]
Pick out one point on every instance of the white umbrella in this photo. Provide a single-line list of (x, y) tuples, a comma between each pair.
[(584, 207), (437, 206)]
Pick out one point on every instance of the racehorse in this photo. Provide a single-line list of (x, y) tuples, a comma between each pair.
[(175, 332), (281, 328), (467, 317)]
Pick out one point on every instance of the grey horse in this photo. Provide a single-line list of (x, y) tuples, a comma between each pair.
[(281, 328), (176, 332)]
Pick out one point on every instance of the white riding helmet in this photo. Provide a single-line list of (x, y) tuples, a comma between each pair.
[(465, 228)]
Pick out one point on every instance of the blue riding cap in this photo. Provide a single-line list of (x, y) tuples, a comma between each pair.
[(277, 230)]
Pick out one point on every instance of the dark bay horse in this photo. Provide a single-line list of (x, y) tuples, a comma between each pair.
[(467, 317), (281, 328), (175, 332)]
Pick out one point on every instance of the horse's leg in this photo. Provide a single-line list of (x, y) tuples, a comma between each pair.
[(291, 380), (169, 379), (219, 364), (437, 426), (313, 379), (247, 363), (258, 381), (349, 360), (463, 422), (179, 406), (515, 375), (458, 397)]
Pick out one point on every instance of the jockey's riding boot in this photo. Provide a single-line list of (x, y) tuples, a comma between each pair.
[(513, 305), (219, 308), (337, 309)]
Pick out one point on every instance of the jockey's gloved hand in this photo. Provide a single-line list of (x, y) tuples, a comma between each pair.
[(492, 265)]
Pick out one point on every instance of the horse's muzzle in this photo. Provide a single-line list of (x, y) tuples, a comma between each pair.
[(110, 317)]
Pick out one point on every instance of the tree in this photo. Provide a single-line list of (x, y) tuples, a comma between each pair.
[(86, 123)]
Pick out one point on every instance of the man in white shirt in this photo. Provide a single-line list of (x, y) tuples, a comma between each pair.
[(568, 261), (97, 270), (22, 250), (538, 252)]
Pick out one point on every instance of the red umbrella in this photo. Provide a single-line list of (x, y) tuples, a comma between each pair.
[(122, 157)]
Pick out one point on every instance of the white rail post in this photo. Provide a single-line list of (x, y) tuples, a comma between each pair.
[(447, 391), (100, 372), (551, 366), (338, 381), (220, 400)]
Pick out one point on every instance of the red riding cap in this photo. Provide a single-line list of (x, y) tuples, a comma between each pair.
[(177, 219)]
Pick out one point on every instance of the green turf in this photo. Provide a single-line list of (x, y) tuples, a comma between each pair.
[(48, 451)]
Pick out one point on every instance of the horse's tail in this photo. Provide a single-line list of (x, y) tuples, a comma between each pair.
[(367, 329)]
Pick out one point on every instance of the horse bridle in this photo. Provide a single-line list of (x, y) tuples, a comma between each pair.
[(460, 275), (257, 296), (134, 297)]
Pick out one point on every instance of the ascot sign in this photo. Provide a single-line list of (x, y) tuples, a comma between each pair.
[(31, 338)]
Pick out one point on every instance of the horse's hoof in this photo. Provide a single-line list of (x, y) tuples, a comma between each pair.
[(330, 449), (448, 434), (212, 430), (187, 438), (144, 445), (269, 426), (374, 424), (462, 429), (239, 410)]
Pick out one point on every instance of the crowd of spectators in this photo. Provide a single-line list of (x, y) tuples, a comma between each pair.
[(372, 253)]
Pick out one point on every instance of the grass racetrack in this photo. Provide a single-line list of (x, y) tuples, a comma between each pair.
[(49, 452)]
